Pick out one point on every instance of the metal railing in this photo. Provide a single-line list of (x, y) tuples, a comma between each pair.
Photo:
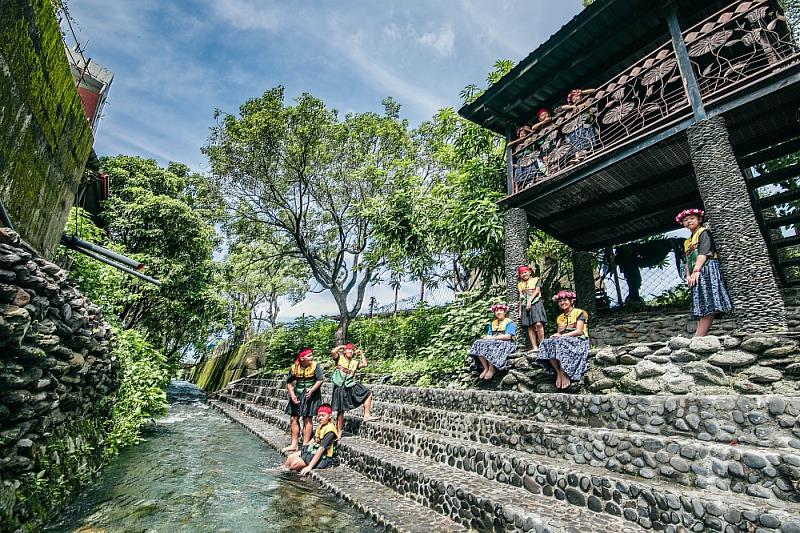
[(729, 51)]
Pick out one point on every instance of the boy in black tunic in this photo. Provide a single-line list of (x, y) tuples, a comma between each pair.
[(321, 453)]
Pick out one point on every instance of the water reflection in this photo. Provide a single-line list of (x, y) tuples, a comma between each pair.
[(198, 471)]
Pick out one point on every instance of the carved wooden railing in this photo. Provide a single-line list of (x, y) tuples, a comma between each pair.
[(728, 51)]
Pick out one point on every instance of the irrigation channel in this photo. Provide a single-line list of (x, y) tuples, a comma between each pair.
[(196, 471)]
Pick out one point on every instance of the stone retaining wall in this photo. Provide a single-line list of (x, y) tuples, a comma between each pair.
[(755, 364), (56, 378), (616, 329)]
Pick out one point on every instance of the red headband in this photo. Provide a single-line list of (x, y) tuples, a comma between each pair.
[(523, 268), (542, 110), (304, 352), (325, 409), (349, 346), (699, 213)]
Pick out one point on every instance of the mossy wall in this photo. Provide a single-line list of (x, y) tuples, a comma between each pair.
[(226, 364), (45, 138)]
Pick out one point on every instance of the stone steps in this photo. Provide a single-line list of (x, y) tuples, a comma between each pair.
[(649, 502), (466, 498), (769, 421), (764, 473), (380, 503)]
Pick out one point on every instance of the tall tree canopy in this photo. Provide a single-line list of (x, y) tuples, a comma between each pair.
[(165, 218), (300, 176)]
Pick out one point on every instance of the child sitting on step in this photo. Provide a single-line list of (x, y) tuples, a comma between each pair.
[(347, 393), (321, 453), (303, 384)]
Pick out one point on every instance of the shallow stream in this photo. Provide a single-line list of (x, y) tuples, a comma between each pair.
[(198, 471)]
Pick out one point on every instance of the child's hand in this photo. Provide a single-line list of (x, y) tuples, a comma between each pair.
[(294, 399), (305, 471), (307, 394)]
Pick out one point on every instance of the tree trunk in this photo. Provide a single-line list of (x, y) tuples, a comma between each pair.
[(341, 331)]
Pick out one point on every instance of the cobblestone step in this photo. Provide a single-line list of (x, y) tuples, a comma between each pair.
[(466, 498), (651, 503), (759, 472), (765, 421), (375, 500)]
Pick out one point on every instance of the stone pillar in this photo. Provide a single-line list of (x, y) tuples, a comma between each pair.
[(746, 264), (516, 243), (584, 281)]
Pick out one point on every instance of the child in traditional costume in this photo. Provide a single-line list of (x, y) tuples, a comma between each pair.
[(303, 384), (531, 308), (703, 274), (492, 350), (566, 352), (579, 128), (347, 393), (321, 453)]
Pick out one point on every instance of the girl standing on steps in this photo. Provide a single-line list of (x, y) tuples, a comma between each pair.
[(492, 350), (703, 275), (303, 382), (566, 351), (347, 393), (533, 317)]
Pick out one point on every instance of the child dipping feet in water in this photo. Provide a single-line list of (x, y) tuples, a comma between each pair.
[(302, 384), (321, 453)]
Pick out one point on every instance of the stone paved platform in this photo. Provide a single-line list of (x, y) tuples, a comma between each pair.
[(605, 462)]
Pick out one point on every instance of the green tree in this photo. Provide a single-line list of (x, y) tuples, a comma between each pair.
[(165, 218), (301, 175)]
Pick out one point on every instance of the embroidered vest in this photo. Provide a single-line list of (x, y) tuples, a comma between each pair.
[(498, 327), (319, 434), (570, 322), (524, 286), (304, 376), (690, 248), (345, 372)]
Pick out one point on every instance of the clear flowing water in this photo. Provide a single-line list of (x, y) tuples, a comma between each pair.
[(198, 471)]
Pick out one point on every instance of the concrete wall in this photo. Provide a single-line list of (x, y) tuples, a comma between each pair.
[(45, 138), (57, 380)]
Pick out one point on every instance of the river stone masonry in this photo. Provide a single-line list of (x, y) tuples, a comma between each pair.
[(510, 461), (56, 375), (747, 364)]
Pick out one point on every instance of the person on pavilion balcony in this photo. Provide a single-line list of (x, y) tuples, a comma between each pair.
[(492, 350), (579, 128), (703, 275), (566, 352)]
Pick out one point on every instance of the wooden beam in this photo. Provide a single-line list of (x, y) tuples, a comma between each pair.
[(787, 220), (690, 84), (775, 176), (766, 150), (629, 190), (778, 199), (787, 241), (621, 219)]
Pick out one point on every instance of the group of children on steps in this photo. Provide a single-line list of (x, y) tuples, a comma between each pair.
[(303, 384), (564, 353)]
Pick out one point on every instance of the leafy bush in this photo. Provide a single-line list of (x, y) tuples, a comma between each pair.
[(143, 377)]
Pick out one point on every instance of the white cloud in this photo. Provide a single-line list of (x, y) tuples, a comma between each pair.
[(249, 14), (441, 41)]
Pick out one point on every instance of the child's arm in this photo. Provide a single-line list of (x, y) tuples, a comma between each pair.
[(314, 460), (290, 387), (363, 362)]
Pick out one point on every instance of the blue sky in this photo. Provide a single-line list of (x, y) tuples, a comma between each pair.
[(176, 61)]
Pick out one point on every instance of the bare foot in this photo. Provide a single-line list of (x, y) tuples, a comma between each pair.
[(290, 448), (371, 418), (483, 375), (490, 374)]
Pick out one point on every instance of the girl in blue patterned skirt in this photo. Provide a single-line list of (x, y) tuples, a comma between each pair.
[(703, 274), (492, 350), (565, 353)]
